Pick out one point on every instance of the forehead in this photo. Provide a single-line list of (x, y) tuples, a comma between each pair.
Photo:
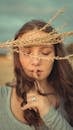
[(34, 34), (35, 38)]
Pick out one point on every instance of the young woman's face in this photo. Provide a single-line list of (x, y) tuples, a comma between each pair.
[(37, 61)]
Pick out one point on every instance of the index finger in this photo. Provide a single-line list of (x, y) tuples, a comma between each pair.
[(29, 105)]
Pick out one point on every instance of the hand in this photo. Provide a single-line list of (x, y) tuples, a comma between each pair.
[(38, 103)]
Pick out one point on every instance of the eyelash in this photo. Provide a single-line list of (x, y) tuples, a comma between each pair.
[(45, 53), (30, 52)]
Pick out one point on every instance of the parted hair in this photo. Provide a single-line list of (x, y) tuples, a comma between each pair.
[(61, 76)]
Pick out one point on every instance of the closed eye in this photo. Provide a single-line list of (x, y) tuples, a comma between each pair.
[(46, 53), (26, 50), (46, 50)]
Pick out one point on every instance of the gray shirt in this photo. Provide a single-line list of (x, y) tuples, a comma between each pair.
[(53, 120)]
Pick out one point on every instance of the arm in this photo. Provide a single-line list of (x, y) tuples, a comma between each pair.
[(55, 121)]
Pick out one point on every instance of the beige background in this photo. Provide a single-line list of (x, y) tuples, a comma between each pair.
[(6, 69)]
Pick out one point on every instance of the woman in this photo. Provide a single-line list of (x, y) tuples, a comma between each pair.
[(42, 97)]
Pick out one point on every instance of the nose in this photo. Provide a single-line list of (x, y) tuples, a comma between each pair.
[(36, 61)]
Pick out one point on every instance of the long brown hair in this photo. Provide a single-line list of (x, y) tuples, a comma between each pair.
[(61, 76)]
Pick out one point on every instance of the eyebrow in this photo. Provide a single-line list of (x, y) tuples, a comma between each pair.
[(46, 47), (41, 46)]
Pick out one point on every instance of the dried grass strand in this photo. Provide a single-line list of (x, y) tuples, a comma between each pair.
[(51, 38)]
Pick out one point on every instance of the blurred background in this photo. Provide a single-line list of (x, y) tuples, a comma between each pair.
[(14, 13)]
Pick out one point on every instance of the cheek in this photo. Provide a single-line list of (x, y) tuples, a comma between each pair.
[(50, 62), (24, 61), (49, 66)]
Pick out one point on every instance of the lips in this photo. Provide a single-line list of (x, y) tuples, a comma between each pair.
[(36, 71), (39, 70)]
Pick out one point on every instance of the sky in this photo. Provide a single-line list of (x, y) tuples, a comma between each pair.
[(14, 13)]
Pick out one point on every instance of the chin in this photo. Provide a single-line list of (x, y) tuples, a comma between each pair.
[(41, 78)]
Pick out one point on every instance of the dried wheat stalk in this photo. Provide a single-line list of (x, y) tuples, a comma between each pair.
[(51, 38)]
